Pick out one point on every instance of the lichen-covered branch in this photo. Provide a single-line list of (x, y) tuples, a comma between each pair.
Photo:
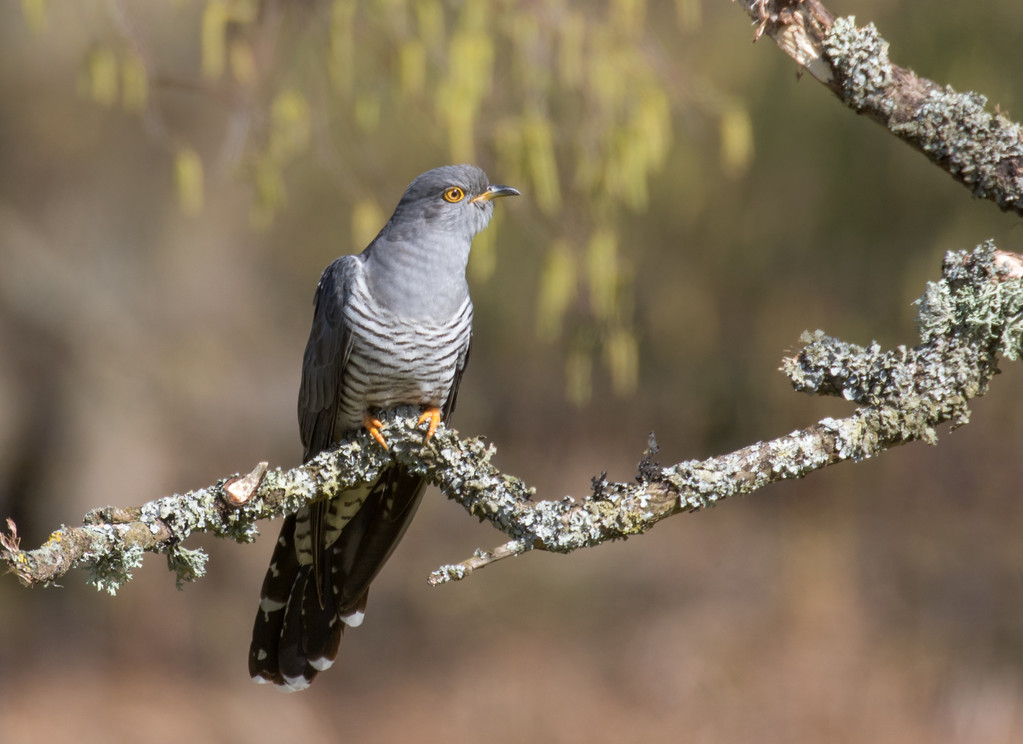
[(981, 149), (968, 320)]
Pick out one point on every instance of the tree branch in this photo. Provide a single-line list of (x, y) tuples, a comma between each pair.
[(967, 320), (980, 149)]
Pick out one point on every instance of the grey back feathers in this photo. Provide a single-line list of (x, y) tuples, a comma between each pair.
[(391, 326)]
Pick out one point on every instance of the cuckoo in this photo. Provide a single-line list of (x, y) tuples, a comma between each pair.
[(391, 326)]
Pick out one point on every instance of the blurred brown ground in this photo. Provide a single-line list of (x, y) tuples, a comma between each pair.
[(145, 353)]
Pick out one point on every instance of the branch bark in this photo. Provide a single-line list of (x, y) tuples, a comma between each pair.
[(982, 150), (967, 320)]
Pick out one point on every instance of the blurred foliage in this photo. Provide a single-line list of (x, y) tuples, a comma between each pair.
[(188, 174), (736, 140), (584, 118), (146, 352), (35, 12)]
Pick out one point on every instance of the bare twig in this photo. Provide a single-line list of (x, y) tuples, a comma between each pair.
[(983, 150), (480, 559), (969, 319)]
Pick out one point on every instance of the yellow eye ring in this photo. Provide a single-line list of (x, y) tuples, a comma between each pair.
[(453, 194)]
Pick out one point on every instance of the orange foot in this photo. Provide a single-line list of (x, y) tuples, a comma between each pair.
[(373, 426), (431, 414)]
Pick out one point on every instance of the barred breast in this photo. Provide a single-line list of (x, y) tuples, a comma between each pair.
[(398, 360)]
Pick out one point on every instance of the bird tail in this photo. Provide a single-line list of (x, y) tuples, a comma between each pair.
[(318, 580)]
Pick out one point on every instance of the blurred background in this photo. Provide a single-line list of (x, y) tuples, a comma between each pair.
[(173, 178)]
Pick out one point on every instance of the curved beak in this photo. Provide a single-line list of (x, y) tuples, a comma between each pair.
[(495, 191)]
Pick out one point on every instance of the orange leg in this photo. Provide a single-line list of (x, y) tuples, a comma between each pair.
[(373, 426), (431, 414)]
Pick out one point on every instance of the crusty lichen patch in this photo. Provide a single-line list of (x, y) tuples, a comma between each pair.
[(981, 148)]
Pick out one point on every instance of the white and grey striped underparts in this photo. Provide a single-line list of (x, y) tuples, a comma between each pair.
[(396, 361)]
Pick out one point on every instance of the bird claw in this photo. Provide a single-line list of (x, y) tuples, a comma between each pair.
[(432, 415), (373, 426)]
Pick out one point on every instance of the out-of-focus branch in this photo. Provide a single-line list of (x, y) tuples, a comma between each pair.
[(969, 319), (983, 150)]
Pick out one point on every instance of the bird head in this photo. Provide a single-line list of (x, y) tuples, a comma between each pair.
[(454, 198)]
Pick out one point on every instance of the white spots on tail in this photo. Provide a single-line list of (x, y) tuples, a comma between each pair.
[(321, 664), (294, 684), (266, 604), (354, 619)]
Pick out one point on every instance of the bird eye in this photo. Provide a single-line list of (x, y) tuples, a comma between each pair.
[(454, 195)]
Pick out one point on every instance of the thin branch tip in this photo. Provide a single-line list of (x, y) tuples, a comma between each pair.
[(480, 559)]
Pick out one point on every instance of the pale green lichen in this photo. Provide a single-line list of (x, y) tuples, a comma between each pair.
[(859, 56), (966, 320), (956, 128), (188, 564), (967, 302), (111, 569), (449, 572)]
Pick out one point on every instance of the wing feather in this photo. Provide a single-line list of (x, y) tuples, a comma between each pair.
[(326, 356)]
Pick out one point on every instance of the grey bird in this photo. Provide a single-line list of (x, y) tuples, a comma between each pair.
[(392, 326)]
